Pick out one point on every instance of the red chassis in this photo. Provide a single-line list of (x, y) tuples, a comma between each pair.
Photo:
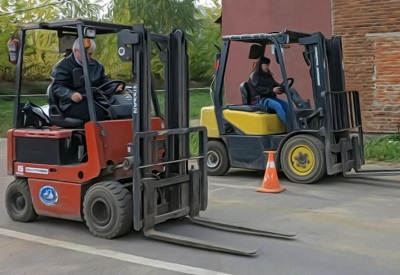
[(42, 161)]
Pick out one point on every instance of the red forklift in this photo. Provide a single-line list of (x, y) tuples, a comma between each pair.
[(132, 170)]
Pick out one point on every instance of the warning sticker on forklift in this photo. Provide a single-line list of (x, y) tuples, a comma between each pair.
[(20, 170), (33, 170), (48, 195), (193, 164)]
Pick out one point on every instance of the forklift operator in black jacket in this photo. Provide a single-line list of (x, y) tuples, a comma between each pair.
[(265, 89), (69, 97)]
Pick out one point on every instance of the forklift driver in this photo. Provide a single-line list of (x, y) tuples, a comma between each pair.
[(265, 89), (69, 96)]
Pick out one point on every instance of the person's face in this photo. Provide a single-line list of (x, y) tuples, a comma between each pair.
[(78, 55), (265, 68)]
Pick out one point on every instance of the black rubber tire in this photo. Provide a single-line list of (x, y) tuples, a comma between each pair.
[(217, 158), (107, 210), (316, 147), (18, 201)]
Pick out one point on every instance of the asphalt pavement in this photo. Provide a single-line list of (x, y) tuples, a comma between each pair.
[(344, 226)]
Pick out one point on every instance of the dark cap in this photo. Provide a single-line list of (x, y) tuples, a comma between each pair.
[(265, 60)]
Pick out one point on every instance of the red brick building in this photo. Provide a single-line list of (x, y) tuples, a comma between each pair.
[(370, 32)]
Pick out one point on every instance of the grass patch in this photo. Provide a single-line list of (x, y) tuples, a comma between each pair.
[(194, 144), (28, 88), (7, 110), (197, 100), (383, 149), (6, 116)]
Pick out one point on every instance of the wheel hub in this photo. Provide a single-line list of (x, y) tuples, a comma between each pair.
[(101, 212), (18, 202), (302, 160), (213, 159)]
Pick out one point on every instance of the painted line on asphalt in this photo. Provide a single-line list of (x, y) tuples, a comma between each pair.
[(109, 253), (218, 189), (233, 186)]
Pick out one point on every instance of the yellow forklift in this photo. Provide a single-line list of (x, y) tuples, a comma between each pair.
[(325, 138)]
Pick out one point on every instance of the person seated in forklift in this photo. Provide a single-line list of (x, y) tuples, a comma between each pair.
[(70, 96), (265, 89)]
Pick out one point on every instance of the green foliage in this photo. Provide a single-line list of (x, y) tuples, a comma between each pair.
[(385, 148), (194, 144), (201, 45), (158, 16), (40, 54), (106, 53), (41, 46), (8, 27), (163, 16)]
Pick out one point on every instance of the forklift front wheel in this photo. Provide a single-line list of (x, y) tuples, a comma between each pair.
[(107, 210), (217, 158), (18, 201), (303, 159)]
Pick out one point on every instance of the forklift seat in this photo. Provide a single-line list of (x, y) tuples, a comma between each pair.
[(246, 106), (57, 118), (245, 93)]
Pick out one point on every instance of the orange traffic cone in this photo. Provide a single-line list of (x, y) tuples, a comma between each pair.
[(271, 182)]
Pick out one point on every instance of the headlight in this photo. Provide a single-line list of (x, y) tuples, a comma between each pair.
[(90, 32)]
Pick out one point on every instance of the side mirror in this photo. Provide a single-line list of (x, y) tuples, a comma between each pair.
[(306, 59), (218, 48), (77, 76), (217, 59)]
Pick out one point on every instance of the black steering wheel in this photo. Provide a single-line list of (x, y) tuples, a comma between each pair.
[(108, 88), (103, 94), (290, 81)]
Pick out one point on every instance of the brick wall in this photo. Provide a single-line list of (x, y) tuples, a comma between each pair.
[(370, 30)]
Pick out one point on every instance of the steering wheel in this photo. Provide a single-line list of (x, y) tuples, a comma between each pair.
[(102, 95), (108, 90), (290, 81)]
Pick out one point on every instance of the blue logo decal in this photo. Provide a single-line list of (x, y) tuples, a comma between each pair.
[(48, 195)]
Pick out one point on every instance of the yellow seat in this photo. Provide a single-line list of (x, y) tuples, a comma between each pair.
[(255, 123), (250, 123)]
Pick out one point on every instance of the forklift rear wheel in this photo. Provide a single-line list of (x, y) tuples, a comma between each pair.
[(217, 158), (18, 201), (107, 210), (303, 159)]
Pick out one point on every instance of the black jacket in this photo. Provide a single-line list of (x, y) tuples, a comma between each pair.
[(262, 84), (63, 85)]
